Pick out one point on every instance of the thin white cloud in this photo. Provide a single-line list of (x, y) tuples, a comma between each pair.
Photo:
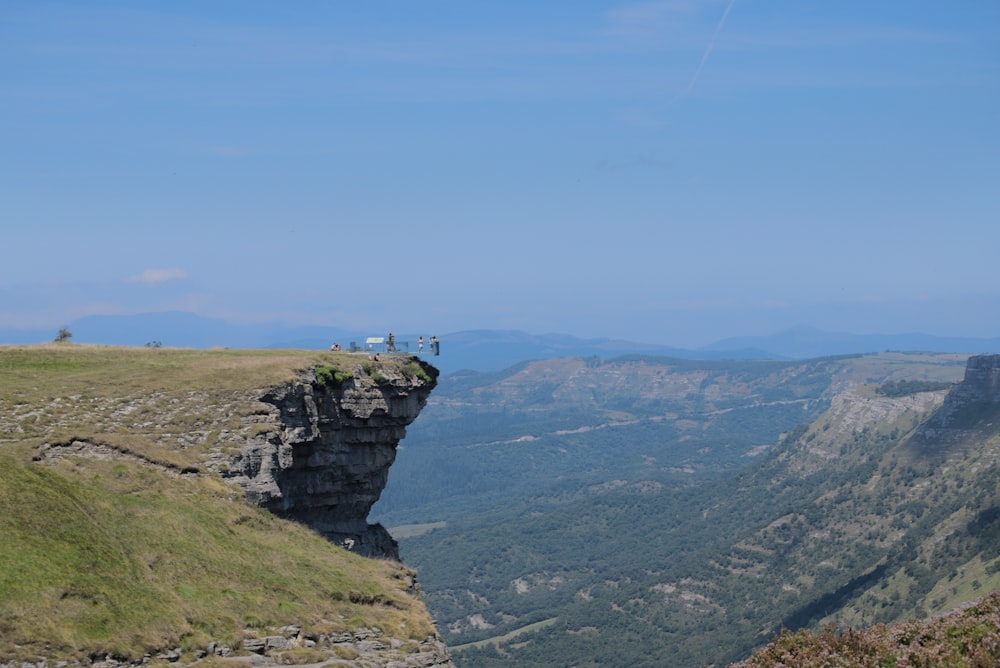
[(153, 276), (642, 21)]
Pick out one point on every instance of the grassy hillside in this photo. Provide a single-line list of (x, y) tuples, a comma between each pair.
[(140, 550)]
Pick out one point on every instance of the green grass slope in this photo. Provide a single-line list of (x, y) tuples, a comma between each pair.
[(125, 555)]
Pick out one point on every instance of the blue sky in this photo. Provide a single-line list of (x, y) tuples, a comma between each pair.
[(667, 171)]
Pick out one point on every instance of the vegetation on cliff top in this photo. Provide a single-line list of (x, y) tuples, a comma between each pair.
[(124, 555), (968, 638)]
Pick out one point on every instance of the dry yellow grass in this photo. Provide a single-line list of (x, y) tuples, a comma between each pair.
[(166, 404)]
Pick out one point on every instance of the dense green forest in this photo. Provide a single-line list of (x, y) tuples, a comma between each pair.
[(703, 521)]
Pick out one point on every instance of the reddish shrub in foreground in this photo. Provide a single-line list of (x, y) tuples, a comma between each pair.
[(968, 638)]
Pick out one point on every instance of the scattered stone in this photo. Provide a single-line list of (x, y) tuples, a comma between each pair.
[(255, 645), (366, 646)]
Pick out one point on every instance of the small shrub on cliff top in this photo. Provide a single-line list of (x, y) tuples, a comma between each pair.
[(63, 335), (324, 375), (415, 370), (371, 369), (330, 376)]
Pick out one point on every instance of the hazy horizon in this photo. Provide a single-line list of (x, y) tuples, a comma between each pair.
[(672, 171), (189, 330)]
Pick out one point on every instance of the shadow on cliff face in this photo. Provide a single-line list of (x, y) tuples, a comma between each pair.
[(970, 413), (323, 457)]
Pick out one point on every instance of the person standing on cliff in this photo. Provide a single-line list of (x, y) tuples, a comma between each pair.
[(390, 343), (420, 344)]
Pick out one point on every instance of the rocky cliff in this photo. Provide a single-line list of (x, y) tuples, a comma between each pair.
[(970, 406), (126, 537), (981, 383), (323, 451)]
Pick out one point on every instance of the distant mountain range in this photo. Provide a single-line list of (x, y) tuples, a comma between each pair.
[(481, 350), (804, 342), (184, 330)]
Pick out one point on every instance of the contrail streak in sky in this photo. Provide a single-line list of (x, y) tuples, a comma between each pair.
[(704, 56)]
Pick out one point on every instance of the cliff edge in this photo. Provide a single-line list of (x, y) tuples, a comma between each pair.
[(325, 460), (145, 493), (970, 407)]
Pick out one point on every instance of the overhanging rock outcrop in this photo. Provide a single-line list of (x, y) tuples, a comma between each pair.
[(323, 453)]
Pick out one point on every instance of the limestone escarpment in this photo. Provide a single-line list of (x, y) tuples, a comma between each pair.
[(323, 455), (970, 406), (982, 380)]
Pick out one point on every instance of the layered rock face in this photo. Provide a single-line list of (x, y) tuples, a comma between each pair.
[(982, 380), (325, 455), (971, 405)]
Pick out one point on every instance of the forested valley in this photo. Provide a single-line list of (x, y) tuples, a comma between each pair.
[(590, 512)]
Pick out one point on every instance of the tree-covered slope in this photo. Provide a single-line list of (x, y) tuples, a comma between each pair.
[(492, 439), (855, 517)]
